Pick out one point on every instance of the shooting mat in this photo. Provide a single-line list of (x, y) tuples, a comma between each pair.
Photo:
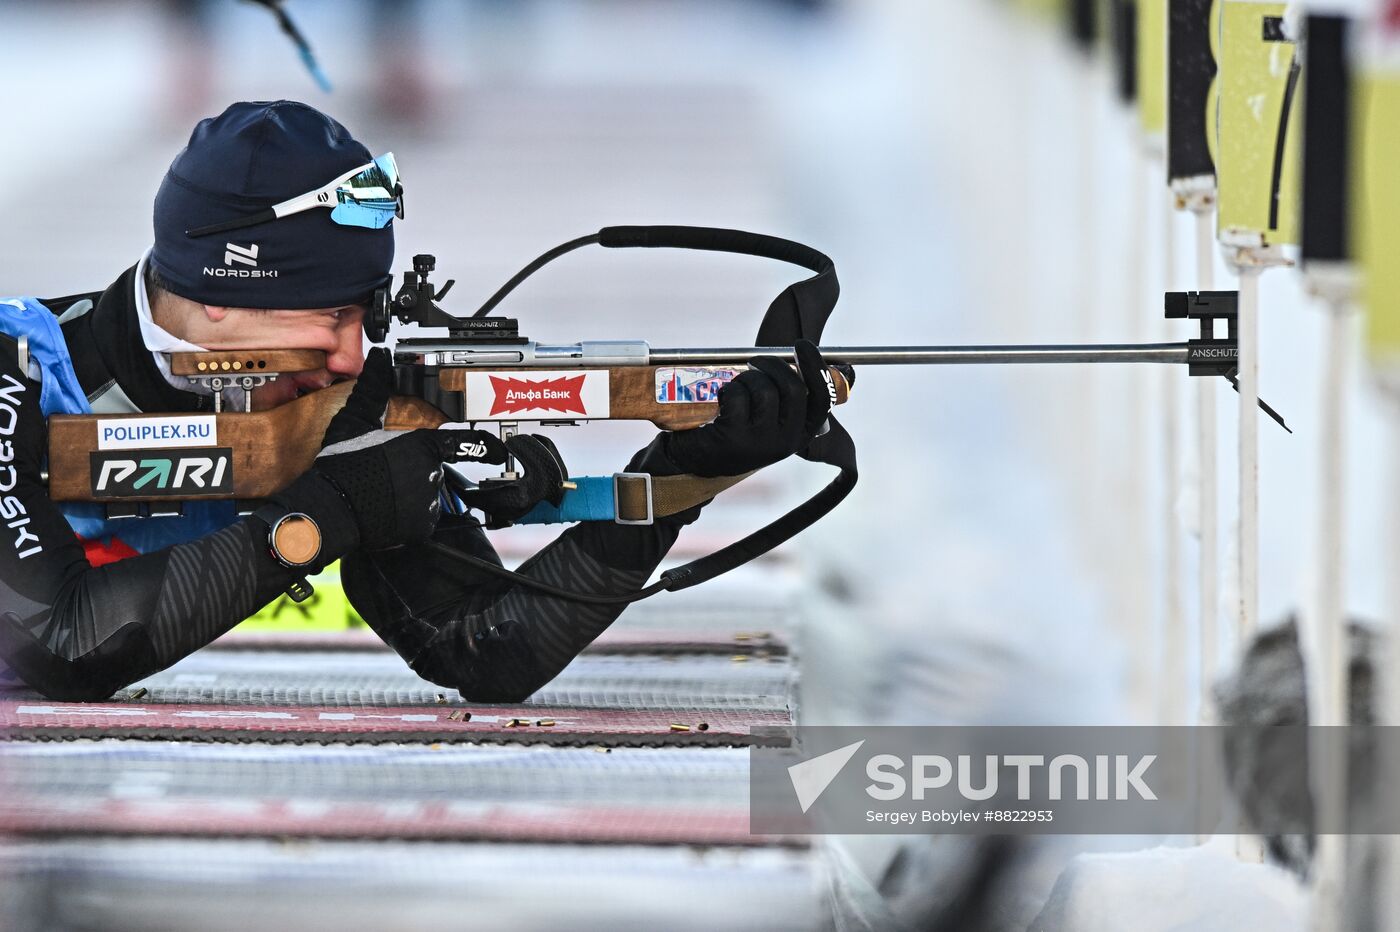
[(233, 885), (561, 795), (345, 696), (612, 641)]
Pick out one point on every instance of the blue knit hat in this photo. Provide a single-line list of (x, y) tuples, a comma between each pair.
[(251, 156)]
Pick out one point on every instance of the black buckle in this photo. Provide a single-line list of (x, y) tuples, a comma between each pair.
[(300, 591)]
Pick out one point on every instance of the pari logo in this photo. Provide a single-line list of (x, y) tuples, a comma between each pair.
[(239, 262), (691, 384), (162, 474), (536, 396)]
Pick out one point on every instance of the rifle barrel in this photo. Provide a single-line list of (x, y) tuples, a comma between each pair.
[(939, 355)]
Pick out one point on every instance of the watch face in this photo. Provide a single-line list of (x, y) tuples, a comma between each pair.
[(296, 539)]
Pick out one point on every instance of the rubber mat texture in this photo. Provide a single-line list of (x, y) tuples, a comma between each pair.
[(682, 683), (41, 721), (534, 794), (626, 641), (241, 884)]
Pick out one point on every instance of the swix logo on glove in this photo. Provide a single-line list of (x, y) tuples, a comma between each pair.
[(471, 448), (508, 396), (830, 385)]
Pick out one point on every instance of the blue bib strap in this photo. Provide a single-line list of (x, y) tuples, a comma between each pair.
[(59, 391), (146, 535), (592, 501)]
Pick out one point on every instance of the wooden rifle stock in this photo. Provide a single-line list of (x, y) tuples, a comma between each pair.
[(271, 448)]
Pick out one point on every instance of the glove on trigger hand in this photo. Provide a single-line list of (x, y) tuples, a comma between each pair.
[(390, 480), (766, 414), (542, 481)]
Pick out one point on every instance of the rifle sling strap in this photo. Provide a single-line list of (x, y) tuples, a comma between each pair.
[(799, 312), (629, 498), (641, 497)]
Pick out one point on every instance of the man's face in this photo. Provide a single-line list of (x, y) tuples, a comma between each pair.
[(336, 331)]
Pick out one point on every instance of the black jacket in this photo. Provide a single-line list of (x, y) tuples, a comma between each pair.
[(75, 631)]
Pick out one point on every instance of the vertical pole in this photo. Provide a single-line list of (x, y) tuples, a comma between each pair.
[(1209, 520), (1173, 695), (1134, 578), (1247, 611), (1207, 517), (1328, 677), (1389, 682), (1089, 464), (1247, 847)]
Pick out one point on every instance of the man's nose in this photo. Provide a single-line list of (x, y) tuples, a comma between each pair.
[(348, 357)]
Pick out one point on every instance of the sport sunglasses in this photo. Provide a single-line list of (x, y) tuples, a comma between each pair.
[(369, 196)]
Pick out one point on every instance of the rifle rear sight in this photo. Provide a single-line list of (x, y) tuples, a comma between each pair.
[(416, 302)]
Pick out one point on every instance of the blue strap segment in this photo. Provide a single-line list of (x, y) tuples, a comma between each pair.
[(59, 392), (592, 501)]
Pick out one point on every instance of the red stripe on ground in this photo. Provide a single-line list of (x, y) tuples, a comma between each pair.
[(429, 820), (611, 642), (40, 720)]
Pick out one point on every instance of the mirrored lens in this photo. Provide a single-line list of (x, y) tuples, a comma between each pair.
[(377, 187), (370, 216)]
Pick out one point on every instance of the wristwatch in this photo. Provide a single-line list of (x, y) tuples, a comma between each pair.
[(293, 538)]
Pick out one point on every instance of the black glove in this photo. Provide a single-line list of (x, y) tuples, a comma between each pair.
[(542, 480), (766, 414), (389, 480)]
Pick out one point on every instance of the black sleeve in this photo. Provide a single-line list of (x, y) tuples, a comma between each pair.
[(75, 632), (491, 639)]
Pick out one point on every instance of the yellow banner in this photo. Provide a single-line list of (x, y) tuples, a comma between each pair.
[(1152, 66), (1378, 203), (1258, 151), (327, 610), (1041, 9)]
